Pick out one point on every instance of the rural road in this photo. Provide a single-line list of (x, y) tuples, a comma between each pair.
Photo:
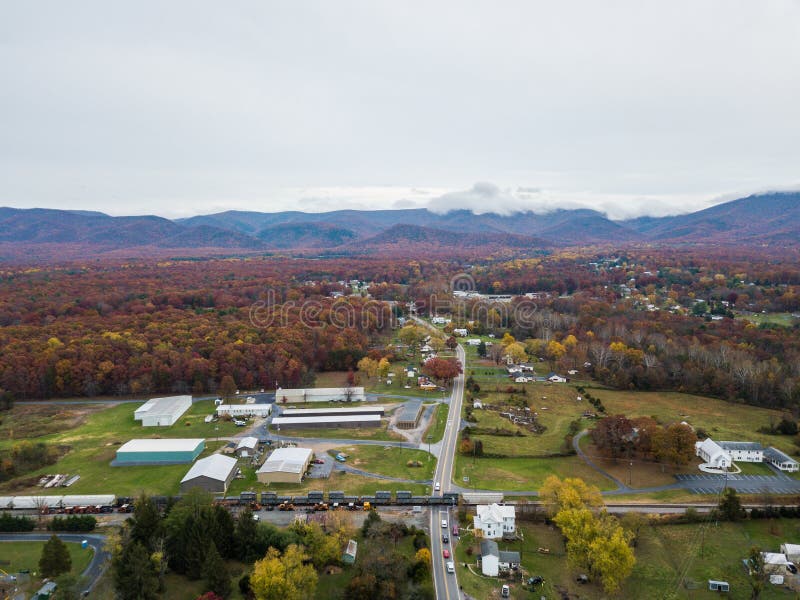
[(97, 542)]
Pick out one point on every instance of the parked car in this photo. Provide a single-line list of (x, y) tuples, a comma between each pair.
[(318, 461)]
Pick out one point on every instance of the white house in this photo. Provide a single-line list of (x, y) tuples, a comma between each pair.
[(712, 454), (247, 446), (494, 521), (555, 378), (439, 320), (744, 451), (780, 460), (493, 560), (460, 332), (473, 342), (522, 379)]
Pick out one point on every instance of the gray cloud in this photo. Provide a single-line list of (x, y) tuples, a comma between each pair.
[(185, 107)]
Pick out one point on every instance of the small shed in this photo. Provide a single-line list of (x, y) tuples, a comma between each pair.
[(718, 586), (349, 555), (45, 591), (247, 447)]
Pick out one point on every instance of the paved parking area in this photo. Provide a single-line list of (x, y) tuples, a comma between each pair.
[(321, 471), (744, 484)]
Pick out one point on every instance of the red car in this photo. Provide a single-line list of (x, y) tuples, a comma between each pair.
[(446, 553)]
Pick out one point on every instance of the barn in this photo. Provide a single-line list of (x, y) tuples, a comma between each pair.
[(158, 452), (212, 474)]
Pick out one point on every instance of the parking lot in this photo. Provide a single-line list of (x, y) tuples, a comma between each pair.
[(744, 484)]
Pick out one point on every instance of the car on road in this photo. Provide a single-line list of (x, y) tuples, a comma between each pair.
[(436, 487), (445, 539), (446, 553), (444, 524), (451, 567)]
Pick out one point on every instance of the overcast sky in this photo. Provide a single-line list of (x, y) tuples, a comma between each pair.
[(178, 108)]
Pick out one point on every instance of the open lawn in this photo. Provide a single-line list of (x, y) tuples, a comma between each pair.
[(389, 460), (331, 379), (637, 472), (662, 553), (522, 474), (91, 445), (25, 555)]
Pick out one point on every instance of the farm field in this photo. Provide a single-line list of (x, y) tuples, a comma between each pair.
[(660, 556), (389, 460), (91, 441)]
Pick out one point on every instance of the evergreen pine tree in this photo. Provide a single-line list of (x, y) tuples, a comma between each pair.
[(55, 558), (135, 578), (215, 573), (146, 522)]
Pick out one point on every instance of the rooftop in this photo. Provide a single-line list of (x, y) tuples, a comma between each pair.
[(330, 419), (161, 445), (247, 442), (286, 460), (299, 412), (754, 446), (775, 454), (410, 410), (166, 405), (215, 466)]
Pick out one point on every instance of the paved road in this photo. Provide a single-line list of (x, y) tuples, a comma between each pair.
[(446, 584), (97, 542)]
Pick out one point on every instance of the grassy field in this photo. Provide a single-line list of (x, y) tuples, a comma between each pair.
[(638, 472), (784, 319), (721, 420), (91, 440), (25, 555), (662, 552), (436, 429), (389, 460), (343, 433), (522, 474)]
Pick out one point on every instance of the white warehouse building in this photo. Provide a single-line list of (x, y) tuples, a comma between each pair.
[(245, 410), (162, 412), (348, 394)]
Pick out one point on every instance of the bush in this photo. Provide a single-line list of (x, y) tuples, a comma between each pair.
[(73, 523), (11, 523)]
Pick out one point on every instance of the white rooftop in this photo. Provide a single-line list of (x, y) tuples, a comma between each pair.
[(494, 513), (247, 442), (331, 419), (161, 445), (298, 412), (286, 460), (166, 405), (216, 466)]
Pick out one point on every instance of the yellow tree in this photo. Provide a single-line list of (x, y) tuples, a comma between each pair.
[(423, 555), (557, 494), (612, 558), (383, 366), (368, 366), (517, 352), (286, 577)]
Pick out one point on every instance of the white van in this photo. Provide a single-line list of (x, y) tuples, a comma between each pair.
[(451, 567), (436, 487), (444, 524)]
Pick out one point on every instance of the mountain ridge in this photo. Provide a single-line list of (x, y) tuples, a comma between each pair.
[(766, 219)]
